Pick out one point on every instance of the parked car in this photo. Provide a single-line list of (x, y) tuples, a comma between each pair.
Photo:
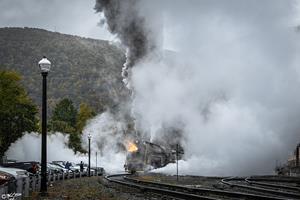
[(73, 167), (15, 172), (85, 167), (67, 165), (8, 177), (59, 168), (100, 170), (53, 168), (5, 178), (32, 166), (61, 163)]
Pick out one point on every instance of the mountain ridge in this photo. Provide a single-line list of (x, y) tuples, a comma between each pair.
[(83, 69)]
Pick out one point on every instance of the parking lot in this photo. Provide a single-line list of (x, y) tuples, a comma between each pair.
[(24, 178)]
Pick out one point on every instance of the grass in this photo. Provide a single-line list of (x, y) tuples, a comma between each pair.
[(78, 189)]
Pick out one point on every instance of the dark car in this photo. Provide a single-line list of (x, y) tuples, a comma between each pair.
[(99, 170), (9, 180), (5, 178), (32, 166)]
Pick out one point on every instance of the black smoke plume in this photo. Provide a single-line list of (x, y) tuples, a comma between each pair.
[(124, 20)]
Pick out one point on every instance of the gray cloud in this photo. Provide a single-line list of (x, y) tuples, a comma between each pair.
[(76, 17)]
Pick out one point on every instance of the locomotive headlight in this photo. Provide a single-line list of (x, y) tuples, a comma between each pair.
[(131, 147)]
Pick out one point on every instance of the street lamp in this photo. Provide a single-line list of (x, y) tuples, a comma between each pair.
[(96, 165), (44, 65), (89, 137)]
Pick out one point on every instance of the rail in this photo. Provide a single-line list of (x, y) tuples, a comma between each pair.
[(248, 186), (155, 189), (184, 192), (206, 191), (253, 181)]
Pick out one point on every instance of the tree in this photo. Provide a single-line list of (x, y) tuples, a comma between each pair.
[(17, 112), (61, 126), (85, 113), (64, 117), (75, 142)]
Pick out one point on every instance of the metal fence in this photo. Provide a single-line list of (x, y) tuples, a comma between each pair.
[(22, 187)]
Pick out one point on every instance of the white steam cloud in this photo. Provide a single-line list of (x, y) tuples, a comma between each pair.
[(105, 140), (233, 83), (28, 148)]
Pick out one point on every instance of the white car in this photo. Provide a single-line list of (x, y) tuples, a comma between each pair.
[(53, 168), (61, 166), (85, 168), (17, 173)]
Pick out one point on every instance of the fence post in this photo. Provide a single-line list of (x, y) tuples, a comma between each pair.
[(19, 185), (38, 183), (54, 177), (33, 183), (49, 174), (26, 192), (3, 190)]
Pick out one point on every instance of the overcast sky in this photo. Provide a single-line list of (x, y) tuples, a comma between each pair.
[(76, 17)]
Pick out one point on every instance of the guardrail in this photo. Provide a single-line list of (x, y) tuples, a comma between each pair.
[(23, 186)]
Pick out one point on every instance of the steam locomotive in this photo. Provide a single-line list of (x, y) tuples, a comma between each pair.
[(143, 156)]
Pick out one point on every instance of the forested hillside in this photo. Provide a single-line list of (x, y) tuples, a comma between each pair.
[(84, 70)]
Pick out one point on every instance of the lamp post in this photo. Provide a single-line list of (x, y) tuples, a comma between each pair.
[(177, 147), (44, 65), (89, 137), (96, 165)]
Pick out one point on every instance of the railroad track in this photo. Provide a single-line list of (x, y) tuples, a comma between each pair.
[(182, 192), (120, 179), (265, 183), (287, 192)]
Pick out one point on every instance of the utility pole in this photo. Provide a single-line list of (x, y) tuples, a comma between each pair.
[(177, 161), (96, 165), (89, 172), (297, 154), (177, 151)]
